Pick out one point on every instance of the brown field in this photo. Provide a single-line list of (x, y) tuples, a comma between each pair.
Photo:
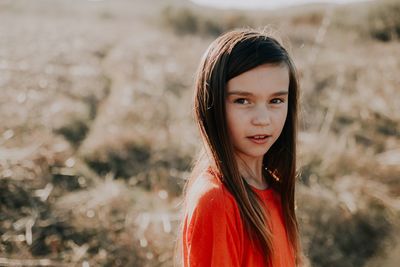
[(97, 135)]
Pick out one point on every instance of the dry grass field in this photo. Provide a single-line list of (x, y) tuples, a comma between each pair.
[(97, 135)]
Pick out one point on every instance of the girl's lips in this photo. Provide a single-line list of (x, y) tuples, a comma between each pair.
[(261, 139)]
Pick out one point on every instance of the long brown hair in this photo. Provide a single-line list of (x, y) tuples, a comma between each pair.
[(228, 56)]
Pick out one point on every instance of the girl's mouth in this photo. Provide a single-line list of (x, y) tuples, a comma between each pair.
[(259, 139)]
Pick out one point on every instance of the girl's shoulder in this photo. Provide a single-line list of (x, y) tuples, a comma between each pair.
[(213, 232), (207, 194)]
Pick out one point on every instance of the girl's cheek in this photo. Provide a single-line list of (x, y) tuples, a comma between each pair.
[(279, 117)]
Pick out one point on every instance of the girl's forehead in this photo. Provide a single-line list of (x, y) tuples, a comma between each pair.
[(265, 78)]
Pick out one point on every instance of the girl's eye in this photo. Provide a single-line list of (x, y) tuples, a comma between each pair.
[(241, 101), (277, 101)]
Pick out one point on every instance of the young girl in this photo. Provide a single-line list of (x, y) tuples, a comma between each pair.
[(239, 200)]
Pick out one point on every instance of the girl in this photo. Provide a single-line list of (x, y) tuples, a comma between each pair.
[(239, 200)]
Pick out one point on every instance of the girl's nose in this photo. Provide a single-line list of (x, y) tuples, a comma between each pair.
[(262, 117)]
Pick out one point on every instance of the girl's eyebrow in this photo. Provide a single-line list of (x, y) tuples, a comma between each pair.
[(244, 93)]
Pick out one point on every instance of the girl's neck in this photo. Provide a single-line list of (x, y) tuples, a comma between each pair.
[(252, 172)]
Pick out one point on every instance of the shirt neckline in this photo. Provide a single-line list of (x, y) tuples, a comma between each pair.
[(266, 190), (269, 189)]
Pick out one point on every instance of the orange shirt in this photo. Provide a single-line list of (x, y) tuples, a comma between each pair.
[(214, 234)]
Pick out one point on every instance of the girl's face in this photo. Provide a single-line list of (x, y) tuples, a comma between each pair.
[(256, 109)]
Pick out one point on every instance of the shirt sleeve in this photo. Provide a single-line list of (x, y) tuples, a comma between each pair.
[(213, 237)]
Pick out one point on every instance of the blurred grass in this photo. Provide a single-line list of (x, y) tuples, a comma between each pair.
[(97, 134), (187, 21)]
